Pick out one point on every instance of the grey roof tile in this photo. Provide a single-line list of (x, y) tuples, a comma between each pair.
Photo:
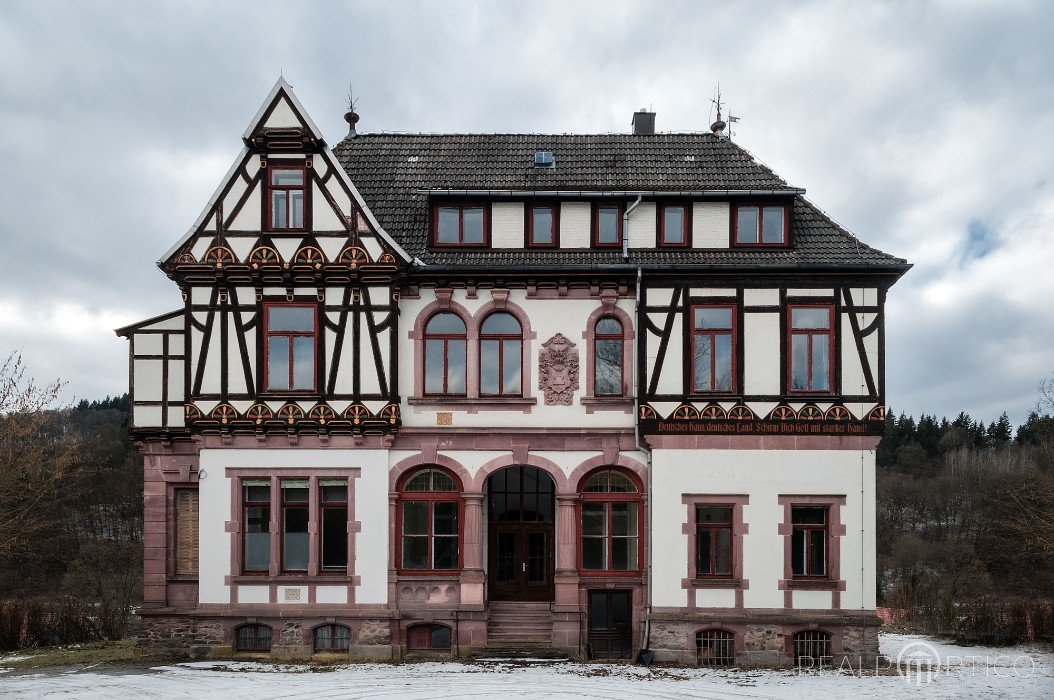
[(390, 170)]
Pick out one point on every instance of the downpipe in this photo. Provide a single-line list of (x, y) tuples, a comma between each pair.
[(641, 447)]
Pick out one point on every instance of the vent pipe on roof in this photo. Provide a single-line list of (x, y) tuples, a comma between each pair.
[(643, 122)]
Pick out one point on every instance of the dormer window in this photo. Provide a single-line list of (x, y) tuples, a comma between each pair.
[(541, 225), (607, 225), (460, 225), (760, 224), (286, 195), (673, 225)]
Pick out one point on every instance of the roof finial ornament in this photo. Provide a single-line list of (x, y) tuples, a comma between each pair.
[(350, 116), (718, 127)]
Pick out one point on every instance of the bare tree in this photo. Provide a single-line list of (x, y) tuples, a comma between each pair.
[(1045, 403), (37, 452)]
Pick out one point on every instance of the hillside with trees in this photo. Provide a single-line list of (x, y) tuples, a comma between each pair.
[(965, 516), (966, 525)]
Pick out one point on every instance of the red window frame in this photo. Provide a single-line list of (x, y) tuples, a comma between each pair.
[(619, 208), (268, 203), (323, 506), (621, 338), (760, 206), (608, 498), (812, 334), (501, 338), (713, 528), (461, 207), (554, 208), (686, 224), (268, 334), (808, 529), (246, 505), (430, 497), (446, 338), (710, 336), (284, 506)]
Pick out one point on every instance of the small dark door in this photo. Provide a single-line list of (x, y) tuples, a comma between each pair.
[(520, 546), (610, 616)]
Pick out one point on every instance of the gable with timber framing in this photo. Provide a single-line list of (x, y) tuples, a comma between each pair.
[(236, 227)]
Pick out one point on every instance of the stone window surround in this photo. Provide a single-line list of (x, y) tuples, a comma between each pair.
[(739, 529), (590, 400), (274, 578), (836, 530), (472, 401), (401, 495)]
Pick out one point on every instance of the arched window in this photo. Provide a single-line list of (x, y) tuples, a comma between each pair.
[(811, 648), (611, 522), (446, 345), (428, 637), (607, 357), (429, 517), (332, 638), (253, 638), (715, 647), (500, 356)]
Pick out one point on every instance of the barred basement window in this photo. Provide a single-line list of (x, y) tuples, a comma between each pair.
[(428, 638), (715, 648), (332, 638), (811, 648), (186, 549), (253, 638)]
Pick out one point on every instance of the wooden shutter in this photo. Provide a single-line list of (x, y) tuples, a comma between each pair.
[(186, 559)]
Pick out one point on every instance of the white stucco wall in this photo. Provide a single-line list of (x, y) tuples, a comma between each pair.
[(575, 225), (710, 225), (371, 510), (548, 317), (764, 475), (506, 225)]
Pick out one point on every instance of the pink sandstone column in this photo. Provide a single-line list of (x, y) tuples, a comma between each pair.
[(566, 578), (472, 552)]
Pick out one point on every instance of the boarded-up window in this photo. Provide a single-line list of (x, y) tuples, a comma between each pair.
[(187, 532)]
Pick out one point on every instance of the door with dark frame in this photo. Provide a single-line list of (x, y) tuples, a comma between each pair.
[(610, 616), (521, 535)]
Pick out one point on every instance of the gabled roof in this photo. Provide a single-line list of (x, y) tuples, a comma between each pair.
[(280, 96), (394, 172)]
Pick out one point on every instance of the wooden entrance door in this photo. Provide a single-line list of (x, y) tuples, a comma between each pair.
[(521, 536)]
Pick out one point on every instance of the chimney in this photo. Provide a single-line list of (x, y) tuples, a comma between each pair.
[(643, 122)]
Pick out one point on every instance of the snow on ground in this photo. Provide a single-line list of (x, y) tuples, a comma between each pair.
[(1019, 672)]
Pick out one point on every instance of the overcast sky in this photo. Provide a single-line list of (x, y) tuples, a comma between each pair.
[(925, 128)]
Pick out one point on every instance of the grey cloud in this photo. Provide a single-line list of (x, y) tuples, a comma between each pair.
[(905, 122)]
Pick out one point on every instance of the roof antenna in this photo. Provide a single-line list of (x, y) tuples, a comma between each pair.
[(718, 127), (350, 116)]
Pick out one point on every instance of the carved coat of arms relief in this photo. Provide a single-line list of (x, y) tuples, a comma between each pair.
[(558, 370)]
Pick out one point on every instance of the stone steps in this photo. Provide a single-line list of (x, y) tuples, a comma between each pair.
[(514, 623)]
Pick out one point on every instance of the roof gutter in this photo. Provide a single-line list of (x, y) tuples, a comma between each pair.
[(682, 268), (519, 194)]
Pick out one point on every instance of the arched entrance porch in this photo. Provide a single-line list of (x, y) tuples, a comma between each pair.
[(521, 546)]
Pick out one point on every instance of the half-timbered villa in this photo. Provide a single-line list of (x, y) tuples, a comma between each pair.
[(441, 394)]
